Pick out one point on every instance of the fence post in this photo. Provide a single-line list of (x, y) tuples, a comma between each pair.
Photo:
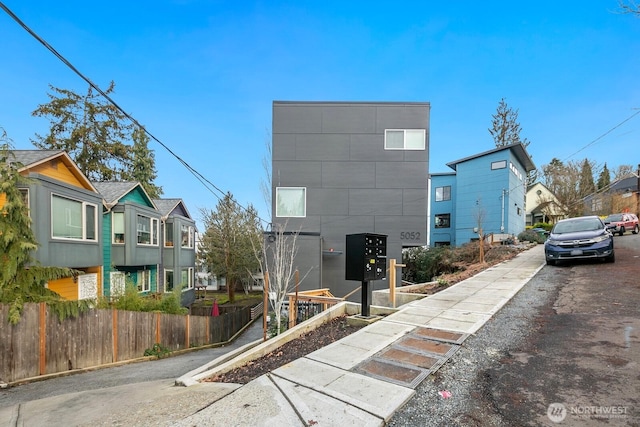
[(114, 333), (43, 338), (392, 281), (158, 335), (186, 344)]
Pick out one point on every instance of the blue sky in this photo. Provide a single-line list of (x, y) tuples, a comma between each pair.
[(202, 75)]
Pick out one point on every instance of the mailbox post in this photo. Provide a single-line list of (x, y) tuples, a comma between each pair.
[(366, 260)]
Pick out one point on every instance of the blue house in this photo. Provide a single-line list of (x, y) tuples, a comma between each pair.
[(485, 193)]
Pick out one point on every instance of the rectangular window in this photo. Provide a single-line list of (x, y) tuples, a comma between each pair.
[(186, 278), (291, 202), (147, 229), (499, 165), (443, 221), (144, 280), (404, 139), (154, 231), (73, 219), (168, 234), (443, 193), (117, 225), (186, 233), (168, 281)]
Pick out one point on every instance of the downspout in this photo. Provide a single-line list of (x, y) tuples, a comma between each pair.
[(502, 219)]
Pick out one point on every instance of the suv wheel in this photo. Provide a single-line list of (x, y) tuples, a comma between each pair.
[(621, 231), (636, 229)]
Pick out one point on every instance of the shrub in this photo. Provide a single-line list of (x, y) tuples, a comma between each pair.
[(158, 350), (531, 236), (544, 225), (423, 264)]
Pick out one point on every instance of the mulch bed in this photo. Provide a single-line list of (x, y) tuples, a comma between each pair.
[(307, 343)]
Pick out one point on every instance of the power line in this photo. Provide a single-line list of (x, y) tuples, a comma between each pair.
[(604, 134), (201, 178)]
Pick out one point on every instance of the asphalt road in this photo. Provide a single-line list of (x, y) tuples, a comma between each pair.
[(139, 372), (564, 351), (565, 348)]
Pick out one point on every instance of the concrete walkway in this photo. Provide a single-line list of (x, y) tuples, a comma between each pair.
[(365, 377), (360, 380)]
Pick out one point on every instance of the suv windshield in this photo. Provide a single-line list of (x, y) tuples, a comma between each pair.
[(614, 217), (572, 226)]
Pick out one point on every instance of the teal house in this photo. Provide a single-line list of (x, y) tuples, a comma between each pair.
[(485, 193), (131, 236)]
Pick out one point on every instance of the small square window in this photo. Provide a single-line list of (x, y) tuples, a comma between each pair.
[(443, 193), (443, 221), (291, 202)]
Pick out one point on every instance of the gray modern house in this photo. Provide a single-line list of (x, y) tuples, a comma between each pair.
[(177, 239), (341, 168)]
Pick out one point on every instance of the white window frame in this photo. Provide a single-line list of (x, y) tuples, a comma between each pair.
[(144, 281), (153, 230), (289, 212), (189, 230), (83, 219), (168, 227), (113, 228), (166, 281), (443, 194), (189, 284), (407, 137)]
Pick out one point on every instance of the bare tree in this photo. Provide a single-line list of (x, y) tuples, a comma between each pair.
[(622, 171), (479, 215), (265, 185), (278, 261), (629, 6)]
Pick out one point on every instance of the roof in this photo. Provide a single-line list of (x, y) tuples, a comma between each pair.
[(32, 158), (167, 206), (113, 191), (629, 183), (518, 150)]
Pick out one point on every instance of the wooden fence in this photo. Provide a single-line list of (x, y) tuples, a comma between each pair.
[(41, 344)]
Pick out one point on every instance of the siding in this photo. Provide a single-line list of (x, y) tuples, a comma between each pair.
[(58, 170)]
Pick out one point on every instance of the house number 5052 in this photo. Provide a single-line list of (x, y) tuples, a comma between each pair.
[(409, 235)]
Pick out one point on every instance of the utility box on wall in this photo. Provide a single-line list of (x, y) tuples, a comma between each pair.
[(366, 257)]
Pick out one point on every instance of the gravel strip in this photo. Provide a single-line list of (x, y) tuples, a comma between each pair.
[(462, 375)]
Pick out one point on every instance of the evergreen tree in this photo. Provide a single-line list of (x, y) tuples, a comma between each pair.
[(21, 280), (505, 128), (142, 168), (228, 244), (586, 185), (604, 179), (91, 130), (97, 136)]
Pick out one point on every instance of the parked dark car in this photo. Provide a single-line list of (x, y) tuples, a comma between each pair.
[(579, 238), (619, 223)]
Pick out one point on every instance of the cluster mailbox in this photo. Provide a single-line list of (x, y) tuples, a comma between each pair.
[(366, 257)]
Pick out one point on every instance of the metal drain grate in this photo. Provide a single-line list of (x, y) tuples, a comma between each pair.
[(408, 361)]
